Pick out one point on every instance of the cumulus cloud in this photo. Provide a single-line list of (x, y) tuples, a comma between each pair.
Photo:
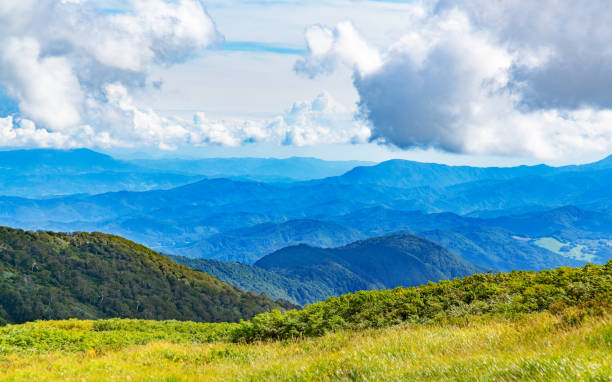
[(155, 30), (71, 66), (343, 45), (23, 132), (318, 121), (476, 76), (569, 40), (46, 87)]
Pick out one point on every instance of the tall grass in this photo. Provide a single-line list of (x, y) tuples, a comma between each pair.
[(537, 346)]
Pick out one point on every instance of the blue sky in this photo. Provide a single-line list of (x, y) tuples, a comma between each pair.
[(8, 105), (450, 81), (255, 46)]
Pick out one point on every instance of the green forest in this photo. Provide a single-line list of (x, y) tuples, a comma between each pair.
[(46, 276)]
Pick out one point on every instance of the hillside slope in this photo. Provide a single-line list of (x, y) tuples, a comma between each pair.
[(55, 276), (254, 279), (377, 263)]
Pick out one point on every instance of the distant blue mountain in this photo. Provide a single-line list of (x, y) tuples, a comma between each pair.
[(372, 200), (408, 174), (501, 243), (248, 245), (603, 164), (497, 249), (51, 161), (256, 169), (48, 172), (334, 196)]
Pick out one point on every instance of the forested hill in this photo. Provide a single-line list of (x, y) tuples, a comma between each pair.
[(306, 274), (56, 276), (376, 263)]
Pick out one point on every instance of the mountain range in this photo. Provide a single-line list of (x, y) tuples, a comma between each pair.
[(298, 229), (48, 172), (551, 215)]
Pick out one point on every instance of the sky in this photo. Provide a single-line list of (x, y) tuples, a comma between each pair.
[(462, 82)]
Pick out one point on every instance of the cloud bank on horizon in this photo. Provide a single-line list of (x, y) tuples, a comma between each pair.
[(469, 76)]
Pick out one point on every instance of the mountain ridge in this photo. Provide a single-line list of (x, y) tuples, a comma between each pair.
[(375, 263)]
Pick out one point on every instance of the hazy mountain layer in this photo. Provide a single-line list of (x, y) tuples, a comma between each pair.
[(257, 169), (248, 245), (373, 200), (49, 172)]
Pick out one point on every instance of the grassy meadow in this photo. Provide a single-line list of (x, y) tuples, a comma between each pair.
[(549, 325), (538, 346)]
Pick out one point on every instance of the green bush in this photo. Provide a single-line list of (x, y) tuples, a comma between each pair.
[(573, 292)]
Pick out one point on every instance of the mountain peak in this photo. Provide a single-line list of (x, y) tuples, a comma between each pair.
[(387, 261)]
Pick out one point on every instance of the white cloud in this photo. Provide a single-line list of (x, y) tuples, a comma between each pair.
[(46, 87), (434, 84), (319, 121), (486, 77), (571, 38), (343, 45), (67, 64), (155, 30), (74, 70), (24, 133)]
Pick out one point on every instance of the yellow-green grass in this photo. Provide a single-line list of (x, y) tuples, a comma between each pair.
[(537, 346)]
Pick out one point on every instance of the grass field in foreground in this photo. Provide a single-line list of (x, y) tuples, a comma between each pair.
[(537, 346)]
